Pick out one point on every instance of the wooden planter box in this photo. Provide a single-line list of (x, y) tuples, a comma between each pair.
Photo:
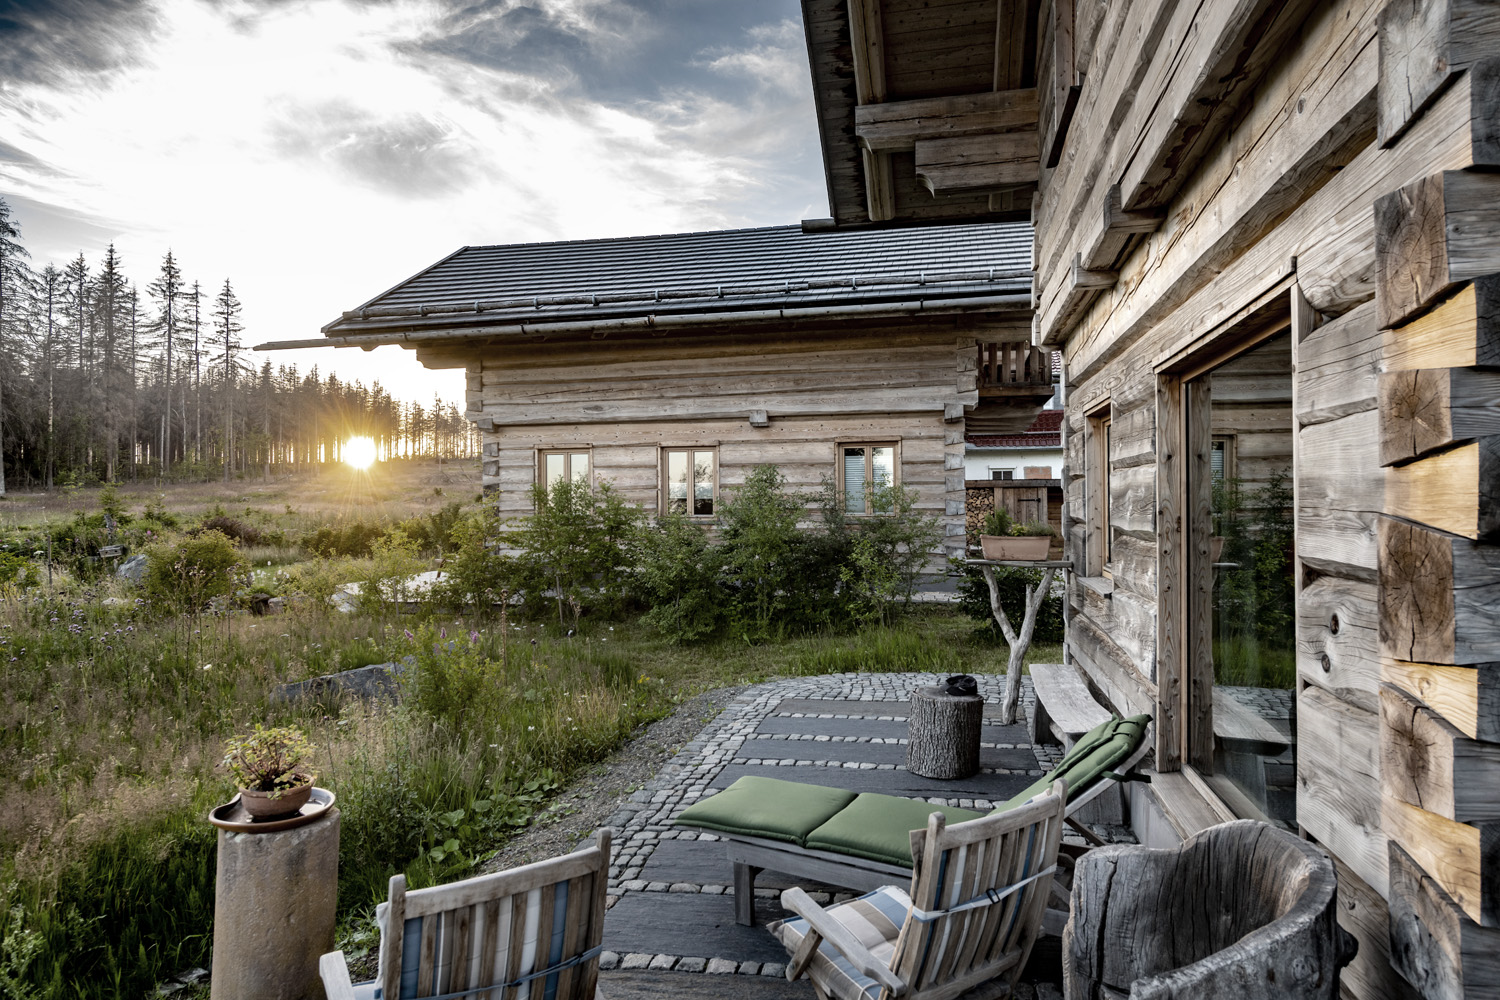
[(1010, 548)]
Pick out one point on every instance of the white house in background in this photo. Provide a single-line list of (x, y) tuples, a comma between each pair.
[(1035, 453)]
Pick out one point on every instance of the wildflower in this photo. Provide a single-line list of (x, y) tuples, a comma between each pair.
[(207, 666), (473, 636), (531, 729), (407, 632)]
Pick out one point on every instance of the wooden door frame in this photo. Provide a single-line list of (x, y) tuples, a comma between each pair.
[(1184, 436)]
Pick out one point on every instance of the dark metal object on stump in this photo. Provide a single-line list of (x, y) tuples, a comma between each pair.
[(1240, 910), (943, 733)]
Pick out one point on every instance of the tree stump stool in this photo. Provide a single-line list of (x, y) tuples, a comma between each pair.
[(943, 733)]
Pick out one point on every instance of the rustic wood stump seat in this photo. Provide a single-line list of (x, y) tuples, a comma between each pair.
[(1239, 910), (943, 733)]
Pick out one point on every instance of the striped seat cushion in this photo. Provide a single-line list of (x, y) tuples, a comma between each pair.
[(875, 921)]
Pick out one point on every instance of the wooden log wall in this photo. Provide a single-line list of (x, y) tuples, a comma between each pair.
[(788, 401), (1356, 191)]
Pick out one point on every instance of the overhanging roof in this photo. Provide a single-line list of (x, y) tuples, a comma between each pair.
[(490, 290)]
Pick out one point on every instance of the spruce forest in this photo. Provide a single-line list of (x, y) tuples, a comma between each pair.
[(110, 376)]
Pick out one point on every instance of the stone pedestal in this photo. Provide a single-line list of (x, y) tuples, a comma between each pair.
[(274, 901), (943, 733)]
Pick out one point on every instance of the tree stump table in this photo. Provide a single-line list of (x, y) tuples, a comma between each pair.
[(943, 733)]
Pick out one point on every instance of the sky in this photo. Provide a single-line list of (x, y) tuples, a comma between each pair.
[(318, 152)]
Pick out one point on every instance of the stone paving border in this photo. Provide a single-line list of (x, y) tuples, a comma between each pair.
[(646, 818)]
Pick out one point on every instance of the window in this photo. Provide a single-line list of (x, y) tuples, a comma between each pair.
[(557, 466), (1097, 490), (690, 481), (1221, 458), (1002, 474), (864, 469)]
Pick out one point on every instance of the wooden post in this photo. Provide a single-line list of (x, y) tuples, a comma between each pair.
[(1019, 644)]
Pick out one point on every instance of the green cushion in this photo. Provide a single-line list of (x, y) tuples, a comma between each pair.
[(878, 827), (767, 807), (1101, 749)]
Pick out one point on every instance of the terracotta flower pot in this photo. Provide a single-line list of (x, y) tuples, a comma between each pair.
[(261, 805), (1011, 548)]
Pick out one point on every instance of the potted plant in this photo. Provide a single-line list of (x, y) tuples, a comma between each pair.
[(270, 767), (1006, 541)]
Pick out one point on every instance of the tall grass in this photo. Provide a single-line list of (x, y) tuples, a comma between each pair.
[(111, 737)]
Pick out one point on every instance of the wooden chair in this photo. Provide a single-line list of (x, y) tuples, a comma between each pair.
[(526, 932), (978, 891)]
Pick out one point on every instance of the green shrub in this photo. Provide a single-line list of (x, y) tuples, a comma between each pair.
[(760, 549), (17, 572), (188, 575), (679, 580), (579, 543), (354, 538), (1010, 585)]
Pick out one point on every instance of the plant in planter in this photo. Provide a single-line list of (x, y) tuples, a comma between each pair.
[(270, 767), (1005, 540)]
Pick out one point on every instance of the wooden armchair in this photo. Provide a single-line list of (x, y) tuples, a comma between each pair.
[(526, 931), (978, 891)]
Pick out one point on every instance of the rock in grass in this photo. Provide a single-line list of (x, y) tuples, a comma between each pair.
[(133, 569)]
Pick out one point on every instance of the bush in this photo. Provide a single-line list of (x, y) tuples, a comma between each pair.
[(17, 572), (579, 543), (760, 552), (354, 538), (679, 580), (1010, 584), (190, 574), (435, 532)]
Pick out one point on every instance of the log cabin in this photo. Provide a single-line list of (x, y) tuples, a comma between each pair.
[(1267, 244), (671, 366)]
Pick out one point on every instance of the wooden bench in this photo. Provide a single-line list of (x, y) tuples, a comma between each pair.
[(1064, 705)]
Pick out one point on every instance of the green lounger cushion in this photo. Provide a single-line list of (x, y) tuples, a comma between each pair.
[(1101, 749), (878, 827), (768, 807)]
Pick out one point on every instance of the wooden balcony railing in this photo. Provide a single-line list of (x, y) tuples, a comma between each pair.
[(1013, 364)]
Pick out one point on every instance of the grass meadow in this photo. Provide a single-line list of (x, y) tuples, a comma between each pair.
[(112, 729)]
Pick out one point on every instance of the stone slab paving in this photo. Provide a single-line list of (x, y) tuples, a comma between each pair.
[(670, 930)]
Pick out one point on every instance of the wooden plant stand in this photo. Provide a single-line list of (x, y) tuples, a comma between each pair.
[(1019, 643), (944, 733)]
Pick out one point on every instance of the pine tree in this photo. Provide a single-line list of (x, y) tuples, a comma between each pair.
[(112, 299), (227, 329), (15, 286), (167, 290)]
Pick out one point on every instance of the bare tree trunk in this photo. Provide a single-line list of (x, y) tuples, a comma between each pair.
[(1019, 644)]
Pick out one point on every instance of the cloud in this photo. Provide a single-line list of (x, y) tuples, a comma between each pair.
[(54, 41), (412, 155), (615, 52)]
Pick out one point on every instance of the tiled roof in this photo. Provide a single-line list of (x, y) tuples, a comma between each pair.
[(1045, 432), (721, 272)]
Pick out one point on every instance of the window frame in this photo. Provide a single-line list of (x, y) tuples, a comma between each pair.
[(664, 486), (841, 447), (1002, 475), (567, 454), (1098, 492)]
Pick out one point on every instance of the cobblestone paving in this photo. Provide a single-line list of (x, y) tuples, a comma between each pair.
[(652, 926)]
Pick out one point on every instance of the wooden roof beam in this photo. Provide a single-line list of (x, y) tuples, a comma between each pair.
[(899, 125), (978, 164), (867, 38)]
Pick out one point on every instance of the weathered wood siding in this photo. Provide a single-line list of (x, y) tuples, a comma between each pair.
[(625, 402), (1344, 174)]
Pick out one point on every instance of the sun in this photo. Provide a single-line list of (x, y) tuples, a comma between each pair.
[(359, 452)]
